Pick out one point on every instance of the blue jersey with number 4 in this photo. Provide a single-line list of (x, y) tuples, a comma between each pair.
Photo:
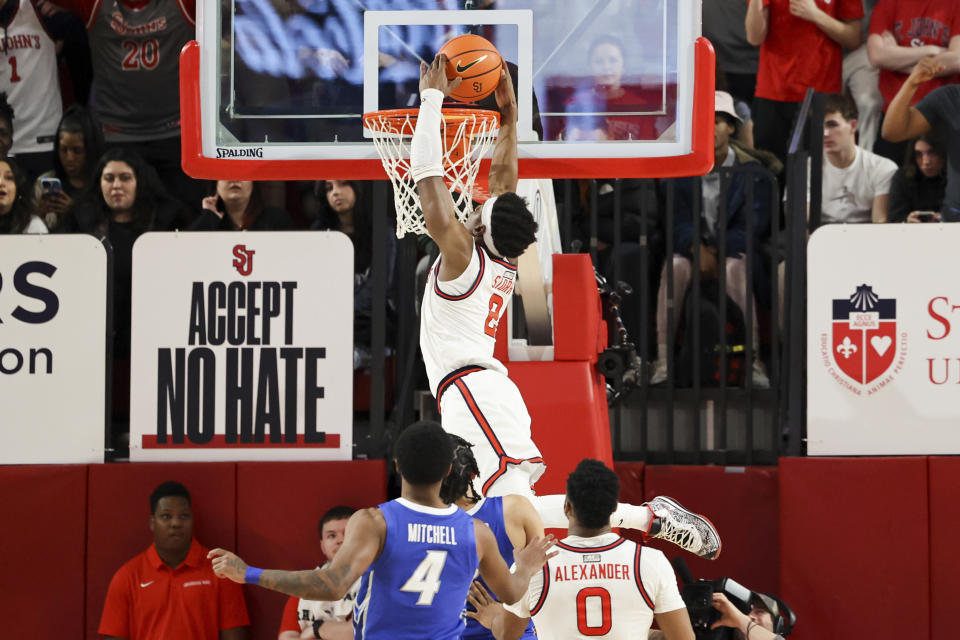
[(417, 588)]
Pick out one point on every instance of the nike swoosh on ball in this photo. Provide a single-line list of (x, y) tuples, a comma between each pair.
[(462, 69)]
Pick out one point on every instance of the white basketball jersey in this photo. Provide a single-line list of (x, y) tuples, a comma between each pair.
[(600, 587), (459, 318), (31, 82)]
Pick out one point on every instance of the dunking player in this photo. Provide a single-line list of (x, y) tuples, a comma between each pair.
[(599, 584), (406, 550), (467, 291)]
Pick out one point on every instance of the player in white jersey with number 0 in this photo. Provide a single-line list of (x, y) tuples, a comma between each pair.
[(599, 585), (468, 289)]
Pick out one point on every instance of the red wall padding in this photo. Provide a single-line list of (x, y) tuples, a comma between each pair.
[(577, 316), (278, 507), (118, 524), (42, 539), (631, 481), (944, 486), (742, 505), (854, 547), (568, 410)]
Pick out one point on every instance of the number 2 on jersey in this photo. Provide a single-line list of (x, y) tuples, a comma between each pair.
[(493, 317), (425, 579), (606, 618)]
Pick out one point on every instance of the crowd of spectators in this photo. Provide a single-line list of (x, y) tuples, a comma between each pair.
[(93, 146)]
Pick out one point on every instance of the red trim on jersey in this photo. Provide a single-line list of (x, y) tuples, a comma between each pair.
[(452, 376), (502, 263), (543, 592), (639, 580), (94, 12), (185, 12), (613, 545), (476, 283), (505, 460)]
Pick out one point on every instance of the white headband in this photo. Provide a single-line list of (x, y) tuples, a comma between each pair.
[(486, 213)]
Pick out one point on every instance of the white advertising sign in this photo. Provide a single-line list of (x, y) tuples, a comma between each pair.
[(53, 309), (883, 340), (242, 346)]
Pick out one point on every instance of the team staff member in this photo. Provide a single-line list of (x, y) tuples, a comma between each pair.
[(599, 584), (170, 590)]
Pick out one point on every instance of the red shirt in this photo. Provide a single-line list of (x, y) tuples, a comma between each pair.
[(148, 600), (290, 621), (915, 23), (796, 54)]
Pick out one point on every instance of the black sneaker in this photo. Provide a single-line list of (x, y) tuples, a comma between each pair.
[(682, 527)]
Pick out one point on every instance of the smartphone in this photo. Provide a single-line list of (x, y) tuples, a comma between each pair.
[(49, 186), (926, 216)]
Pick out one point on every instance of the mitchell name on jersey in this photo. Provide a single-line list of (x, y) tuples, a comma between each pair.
[(431, 533)]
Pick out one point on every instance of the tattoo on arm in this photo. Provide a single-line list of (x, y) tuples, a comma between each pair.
[(318, 584)]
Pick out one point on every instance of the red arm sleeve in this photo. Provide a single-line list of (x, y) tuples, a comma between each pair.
[(115, 619), (290, 620), (233, 608)]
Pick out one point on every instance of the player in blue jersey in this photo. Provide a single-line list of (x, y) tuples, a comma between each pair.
[(511, 518), (417, 555)]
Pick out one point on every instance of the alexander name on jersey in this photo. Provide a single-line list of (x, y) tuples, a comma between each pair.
[(593, 569), (431, 533)]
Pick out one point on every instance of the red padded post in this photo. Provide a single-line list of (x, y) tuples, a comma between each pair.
[(278, 507), (578, 329), (944, 483), (854, 547), (43, 534), (741, 502), (118, 526)]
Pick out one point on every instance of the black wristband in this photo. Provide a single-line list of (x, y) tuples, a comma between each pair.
[(316, 627)]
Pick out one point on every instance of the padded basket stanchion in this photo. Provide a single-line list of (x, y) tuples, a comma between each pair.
[(467, 135)]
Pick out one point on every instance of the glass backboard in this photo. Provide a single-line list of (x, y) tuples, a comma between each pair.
[(605, 88)]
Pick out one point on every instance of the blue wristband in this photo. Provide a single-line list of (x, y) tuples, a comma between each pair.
[(252, 575)]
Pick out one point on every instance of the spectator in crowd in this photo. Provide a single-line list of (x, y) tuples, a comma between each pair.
[(939, 110), (744, 135), (856, 182), (238, 205), (6, 126), (737, 59), (346, 206), (608, 92), (16, 210), (314, 618), (801, 44), (78, 145), (125, 200), (903, 32), (860, 79), (757, 625), (170, 590), (636, 198), (727, 155), (34, 31), (916, 194), (136, 89)]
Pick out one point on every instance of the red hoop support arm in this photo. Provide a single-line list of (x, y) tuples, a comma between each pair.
[(698, 162)]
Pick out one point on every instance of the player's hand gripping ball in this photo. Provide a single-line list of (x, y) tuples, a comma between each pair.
[(477, 61)]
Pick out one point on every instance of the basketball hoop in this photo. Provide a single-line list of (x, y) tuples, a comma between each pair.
[(467, 134)]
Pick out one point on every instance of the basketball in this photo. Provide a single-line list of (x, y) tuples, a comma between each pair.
[(477, 61)]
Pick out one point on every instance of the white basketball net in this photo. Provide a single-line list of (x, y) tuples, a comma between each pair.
[(467, 134)]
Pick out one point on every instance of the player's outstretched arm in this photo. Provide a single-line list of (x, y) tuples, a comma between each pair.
[(503, 167), (503, 624), (426, 166), (509, 587), (521, 520), (362, 543)]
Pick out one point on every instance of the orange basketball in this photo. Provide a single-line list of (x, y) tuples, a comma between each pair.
[(477, 61)]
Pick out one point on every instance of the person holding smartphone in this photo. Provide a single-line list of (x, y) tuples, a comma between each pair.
[(77, 147)]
